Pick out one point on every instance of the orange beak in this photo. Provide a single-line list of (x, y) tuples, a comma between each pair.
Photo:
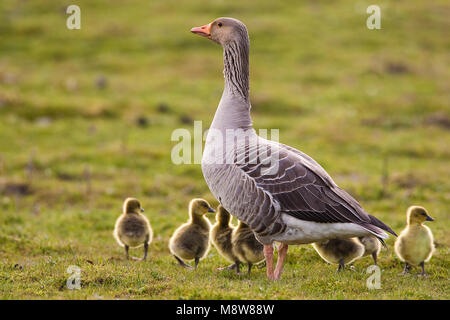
[(204, 31)]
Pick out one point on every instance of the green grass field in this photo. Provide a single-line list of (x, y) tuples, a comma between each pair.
[(86, 118)]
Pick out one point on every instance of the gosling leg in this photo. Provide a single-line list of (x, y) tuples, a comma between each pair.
[(423, 273), (196, 262), (406, 269), (238, 268), (126, 252), (341, 265), (145, 250), (374, 256), (249, 268), (182, 263)]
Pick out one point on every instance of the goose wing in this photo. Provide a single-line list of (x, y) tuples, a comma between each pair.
[(280, 179)]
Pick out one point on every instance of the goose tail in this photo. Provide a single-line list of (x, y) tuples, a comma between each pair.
[(377, 222), (378, 228), (382, 242)]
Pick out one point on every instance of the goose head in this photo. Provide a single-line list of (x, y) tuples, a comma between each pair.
[(418, 215), (132, 205), (223, 31), (200, 207)]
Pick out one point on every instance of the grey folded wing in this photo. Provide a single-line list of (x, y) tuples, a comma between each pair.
[(268, 179)]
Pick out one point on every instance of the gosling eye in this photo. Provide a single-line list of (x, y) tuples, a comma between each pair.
[(220, 24)]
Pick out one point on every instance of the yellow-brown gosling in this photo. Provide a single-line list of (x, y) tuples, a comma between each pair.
[(372, 246), (340, 251), (415, 244), (132, 228), (245, 246), (191, 239), (221, 236)]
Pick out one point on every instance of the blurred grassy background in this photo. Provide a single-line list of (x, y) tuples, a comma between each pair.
[(86, 118)]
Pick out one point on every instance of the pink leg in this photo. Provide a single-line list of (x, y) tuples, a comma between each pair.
[(268, 254), (282, 250)]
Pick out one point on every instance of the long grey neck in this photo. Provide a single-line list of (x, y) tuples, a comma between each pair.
[(234, 107)]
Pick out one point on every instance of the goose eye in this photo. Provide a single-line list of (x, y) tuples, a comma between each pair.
[(219, 24)]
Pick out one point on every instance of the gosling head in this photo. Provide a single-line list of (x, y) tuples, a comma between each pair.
[(223, 217), (223, 31), (132, 205), (418, 215), (199, 207)]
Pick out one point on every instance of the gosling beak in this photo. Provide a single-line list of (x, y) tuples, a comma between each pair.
[(211, 210), (204, 31), (142, 209), (429, 218)]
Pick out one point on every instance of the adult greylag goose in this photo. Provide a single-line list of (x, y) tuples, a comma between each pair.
[(279, 192)]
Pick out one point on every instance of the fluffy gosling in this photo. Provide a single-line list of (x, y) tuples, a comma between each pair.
[(372, 246), (415, 244), (221, 237), (132, 228), (245, 246), (340, 251), (191, 239)]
